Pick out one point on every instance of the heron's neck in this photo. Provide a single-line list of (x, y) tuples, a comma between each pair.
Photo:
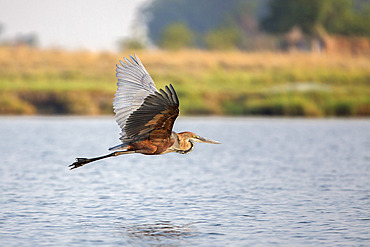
[(188, 147), (183, 145)]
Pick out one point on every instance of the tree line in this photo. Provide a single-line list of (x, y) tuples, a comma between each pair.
[(248, 24)]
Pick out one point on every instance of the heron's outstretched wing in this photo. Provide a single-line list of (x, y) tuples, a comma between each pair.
[(134, 85), (155, 117)]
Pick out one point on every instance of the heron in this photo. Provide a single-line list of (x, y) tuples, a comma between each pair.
[(145, 116)]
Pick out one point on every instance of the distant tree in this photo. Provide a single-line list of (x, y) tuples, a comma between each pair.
[(203, 17), (131, 44), (285, 14), (30, 39), (359, 24), (335, 16), (224, 38), (176, 36), (355, 22), (200, 16)]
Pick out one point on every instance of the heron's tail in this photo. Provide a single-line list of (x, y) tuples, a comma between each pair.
[(122, 146)]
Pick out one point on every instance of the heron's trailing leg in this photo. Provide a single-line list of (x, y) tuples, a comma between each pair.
[(83, 161)]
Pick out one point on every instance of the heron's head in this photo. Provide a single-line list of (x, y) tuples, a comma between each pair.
[(190, 136)]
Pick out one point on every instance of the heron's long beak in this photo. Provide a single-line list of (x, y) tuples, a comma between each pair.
[(205, 140)]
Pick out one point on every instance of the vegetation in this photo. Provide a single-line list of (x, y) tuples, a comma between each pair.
[(36, 81), (335, 16), (134, 43), (176, 36), (247, 21), (224, 38), (198, 16)]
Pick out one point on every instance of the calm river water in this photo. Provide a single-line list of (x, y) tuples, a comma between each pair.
[(288, 182)]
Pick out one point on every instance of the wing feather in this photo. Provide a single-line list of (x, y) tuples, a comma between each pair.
[(133, 86), (158, 112)]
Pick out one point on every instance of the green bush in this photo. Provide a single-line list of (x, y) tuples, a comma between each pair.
[(225, 38), (176, 36)]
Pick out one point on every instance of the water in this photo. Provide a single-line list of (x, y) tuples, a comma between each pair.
[(272, 182)]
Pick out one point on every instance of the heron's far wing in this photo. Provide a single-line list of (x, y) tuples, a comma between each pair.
[(155, 117), (133, 86)]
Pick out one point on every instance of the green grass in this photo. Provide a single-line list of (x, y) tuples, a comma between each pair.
[(208, 83)]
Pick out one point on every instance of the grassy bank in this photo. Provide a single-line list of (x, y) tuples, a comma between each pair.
[(224, 83)]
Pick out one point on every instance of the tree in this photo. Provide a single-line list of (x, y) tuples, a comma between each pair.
[(30, 39), (335, 16), (200, 16), (204, 17), (285, 14), (353, 18), (224, 38), (176, 36), (134, 43)]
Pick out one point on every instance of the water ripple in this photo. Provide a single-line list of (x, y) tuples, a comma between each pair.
[(272, 182)]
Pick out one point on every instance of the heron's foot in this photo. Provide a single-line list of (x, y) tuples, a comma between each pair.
[(79, 162)]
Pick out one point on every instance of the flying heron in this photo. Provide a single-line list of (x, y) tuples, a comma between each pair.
[(145, 116)]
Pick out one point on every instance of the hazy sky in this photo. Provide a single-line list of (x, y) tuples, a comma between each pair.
[(72, 24)]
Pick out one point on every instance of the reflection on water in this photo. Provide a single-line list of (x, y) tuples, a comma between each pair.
[(158, 233)]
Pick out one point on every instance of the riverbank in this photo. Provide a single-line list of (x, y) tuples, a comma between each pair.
[(36, 81)]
